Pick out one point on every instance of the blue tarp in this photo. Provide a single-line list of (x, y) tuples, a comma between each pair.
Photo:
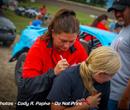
[(27, 38)]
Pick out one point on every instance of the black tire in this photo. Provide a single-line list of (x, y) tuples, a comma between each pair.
[(19, 67)]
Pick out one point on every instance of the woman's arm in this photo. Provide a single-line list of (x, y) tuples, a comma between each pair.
[(44, 82), (38, 84), (124, 102)]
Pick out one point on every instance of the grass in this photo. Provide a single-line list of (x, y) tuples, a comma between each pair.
[(21, 22), (84, 18)]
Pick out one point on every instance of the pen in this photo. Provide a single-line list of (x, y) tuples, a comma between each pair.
[(61, 57)]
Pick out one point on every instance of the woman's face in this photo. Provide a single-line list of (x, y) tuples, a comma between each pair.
[(104, 21), (63, 41), (102, 77)]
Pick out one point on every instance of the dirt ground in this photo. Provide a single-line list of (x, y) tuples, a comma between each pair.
[(8, 89)]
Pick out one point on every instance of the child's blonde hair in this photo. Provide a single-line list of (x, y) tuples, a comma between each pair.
[(100, 59)]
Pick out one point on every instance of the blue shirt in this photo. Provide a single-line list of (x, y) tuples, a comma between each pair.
[(68, 87), (37, 22)]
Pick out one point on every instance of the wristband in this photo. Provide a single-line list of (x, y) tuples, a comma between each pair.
[(87, 102)]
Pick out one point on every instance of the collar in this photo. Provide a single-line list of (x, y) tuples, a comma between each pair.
[(49, 45)]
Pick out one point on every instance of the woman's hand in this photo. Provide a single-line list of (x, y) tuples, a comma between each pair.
[(61, 65)]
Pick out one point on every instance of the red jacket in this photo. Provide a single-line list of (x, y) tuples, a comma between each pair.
[(42, 57), (100, 25)]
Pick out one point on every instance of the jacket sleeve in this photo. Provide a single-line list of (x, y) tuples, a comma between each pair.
[(38, 84)]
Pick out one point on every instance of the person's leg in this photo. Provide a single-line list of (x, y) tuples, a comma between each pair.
[(112, 104)]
